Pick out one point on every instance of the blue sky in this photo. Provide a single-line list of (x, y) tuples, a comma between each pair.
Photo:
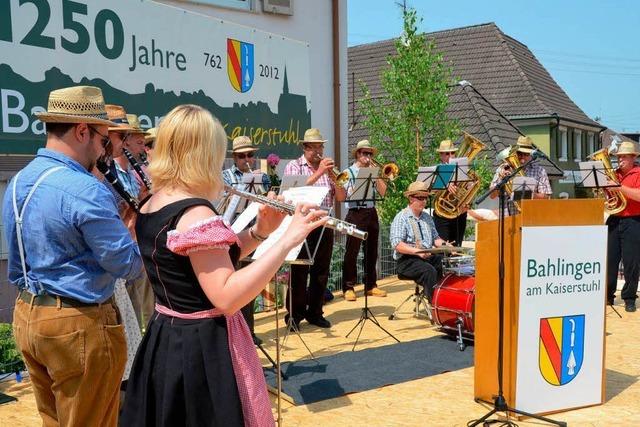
[(591, 48)]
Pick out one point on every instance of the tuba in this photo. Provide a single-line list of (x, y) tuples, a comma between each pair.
[(449, 204), (614, 201)]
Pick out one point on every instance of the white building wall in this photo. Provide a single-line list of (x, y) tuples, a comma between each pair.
[(311, 22)]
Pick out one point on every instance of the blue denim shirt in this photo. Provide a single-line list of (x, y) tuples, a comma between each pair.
[(75, 243)]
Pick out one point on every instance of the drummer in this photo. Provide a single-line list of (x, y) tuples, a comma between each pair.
[(412, 233)]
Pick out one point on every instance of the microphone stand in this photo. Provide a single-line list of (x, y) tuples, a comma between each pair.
[(499, 402)]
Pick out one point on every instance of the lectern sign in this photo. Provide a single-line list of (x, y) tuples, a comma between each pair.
[(561, 318)]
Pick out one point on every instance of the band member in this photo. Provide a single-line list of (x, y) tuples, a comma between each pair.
[(149, 140), (135, 144), (451, 230), (365, 217), (118, 135), (197, 364), (624, 230), (413, 231), (244, 156), (67, 245), (543, 190), (318, 170), (243, 153)]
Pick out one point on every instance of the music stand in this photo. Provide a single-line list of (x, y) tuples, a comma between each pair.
[(593, 175), (364, 190)]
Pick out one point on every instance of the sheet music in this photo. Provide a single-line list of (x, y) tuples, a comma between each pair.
[(426, 174), (245, 218), (444, 173), (294, 195), (593, 174), (523, 187), (364, 188), (289, 181), (462, 172)]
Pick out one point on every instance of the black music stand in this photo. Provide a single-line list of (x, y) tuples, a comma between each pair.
[(499, 403), (365, 190), (594, 176)]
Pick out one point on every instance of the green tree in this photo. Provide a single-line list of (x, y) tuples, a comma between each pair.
[(409, 119)]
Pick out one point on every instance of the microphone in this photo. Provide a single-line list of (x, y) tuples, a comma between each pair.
[(539, 154)]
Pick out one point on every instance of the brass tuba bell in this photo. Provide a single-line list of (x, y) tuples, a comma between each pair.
[(614, 201)]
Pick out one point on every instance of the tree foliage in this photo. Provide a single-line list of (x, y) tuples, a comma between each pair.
[(409, 119)]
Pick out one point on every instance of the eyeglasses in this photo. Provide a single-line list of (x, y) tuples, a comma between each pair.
[(367, 153), (421, 198), (446, 154), (242, 156), (105, 141)]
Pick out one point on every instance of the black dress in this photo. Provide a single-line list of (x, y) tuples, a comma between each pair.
[(182, 374)]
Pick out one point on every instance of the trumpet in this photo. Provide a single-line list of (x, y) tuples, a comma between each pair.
[(333, 223), (389, 171), (340, 178)]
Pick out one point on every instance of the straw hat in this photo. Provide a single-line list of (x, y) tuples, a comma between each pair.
[(446, 146), (134, 122), (525, 145), (78, 104), (313, 136), (118, 116), (243, 144), (417, 188), (151, 135), (626, 147), (364, 144)]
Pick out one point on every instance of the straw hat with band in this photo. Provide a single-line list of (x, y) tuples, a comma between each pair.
[(626, 147), (134, 122), (313, 136), (77, 104), (446, 146), (151, 135), (242, 144), (118, 116), (364, 145), (525, 145), (417, 188)]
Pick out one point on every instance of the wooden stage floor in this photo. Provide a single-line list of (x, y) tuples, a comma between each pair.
[(440, 400)]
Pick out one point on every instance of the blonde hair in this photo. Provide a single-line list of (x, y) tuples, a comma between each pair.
[(188, 152)]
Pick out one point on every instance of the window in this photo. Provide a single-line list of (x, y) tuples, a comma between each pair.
[(232, 4), (562, 149), (577, 145), (591, 143)]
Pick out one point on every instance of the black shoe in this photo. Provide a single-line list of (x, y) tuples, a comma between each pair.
[(611, 300), (630, 306), (319, 321)]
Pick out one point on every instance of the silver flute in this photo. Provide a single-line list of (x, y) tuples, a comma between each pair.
[(333, 223)]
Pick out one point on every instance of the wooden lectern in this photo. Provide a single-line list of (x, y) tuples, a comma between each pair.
[(576, 212)]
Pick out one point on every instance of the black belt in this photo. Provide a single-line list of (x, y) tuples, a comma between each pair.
[(361, 207), (47, 300)]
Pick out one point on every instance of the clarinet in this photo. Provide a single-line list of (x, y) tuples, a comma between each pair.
[(137, 168), (117, 185)]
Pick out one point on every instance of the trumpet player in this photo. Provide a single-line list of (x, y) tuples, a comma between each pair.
[(364, 215), (451, 230), (319, 172), (524, 148), (624, 230)]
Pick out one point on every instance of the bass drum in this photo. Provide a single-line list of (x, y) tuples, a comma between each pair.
[(453, 299)]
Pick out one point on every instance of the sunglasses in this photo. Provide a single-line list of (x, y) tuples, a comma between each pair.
[(421, 198), (105, 141), (242, 156), (367, 153)]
